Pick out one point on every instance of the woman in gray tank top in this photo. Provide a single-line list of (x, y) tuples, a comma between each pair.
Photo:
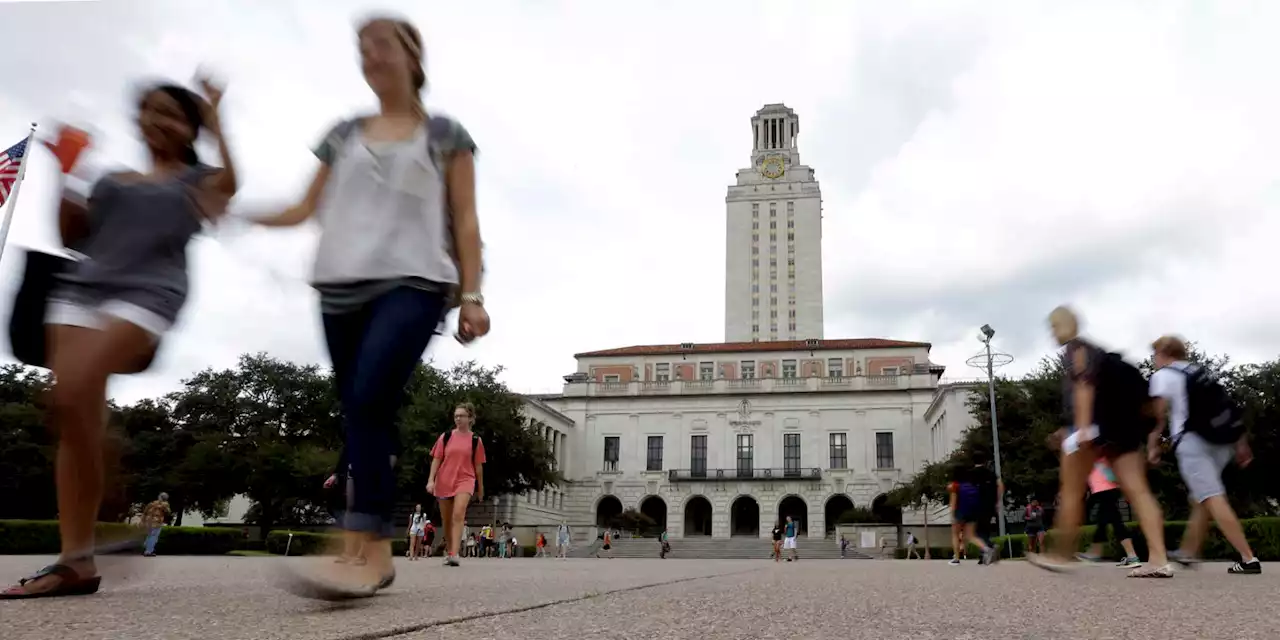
[(400, 244), (108, 311)]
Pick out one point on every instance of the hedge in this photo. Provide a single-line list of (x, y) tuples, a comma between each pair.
[(307, 543), (1263, 535), (19, 537)]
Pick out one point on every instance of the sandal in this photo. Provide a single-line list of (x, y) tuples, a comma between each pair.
[(1165, 571), (70, 583), (316, 588)]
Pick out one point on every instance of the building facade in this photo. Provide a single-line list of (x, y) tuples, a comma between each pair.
[(725, 439), (773, 252)]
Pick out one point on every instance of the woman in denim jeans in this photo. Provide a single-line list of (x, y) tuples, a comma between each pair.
[(400, 244)]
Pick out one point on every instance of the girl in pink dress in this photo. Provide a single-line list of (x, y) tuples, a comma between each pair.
[(457, 474)]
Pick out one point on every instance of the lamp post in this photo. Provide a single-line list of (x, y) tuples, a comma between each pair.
[(989, 360)]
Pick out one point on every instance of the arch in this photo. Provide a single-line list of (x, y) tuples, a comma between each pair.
[(794, 506), (608, 508), (697, 516), (744, 517), (837, 505), (885, 512), (656, 509)]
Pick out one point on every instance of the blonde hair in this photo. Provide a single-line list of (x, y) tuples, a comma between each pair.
[(1066, 316), (1171, 346), (411, 39), (470, 409)]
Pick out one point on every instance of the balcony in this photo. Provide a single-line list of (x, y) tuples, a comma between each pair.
[(701, 475), (737, 386)]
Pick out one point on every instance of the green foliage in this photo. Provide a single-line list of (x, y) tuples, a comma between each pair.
[(41, 537), (858, 515), (632, 520), (26, 449), (1263, 535)]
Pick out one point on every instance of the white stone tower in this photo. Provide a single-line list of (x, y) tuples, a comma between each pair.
[(773, 270)]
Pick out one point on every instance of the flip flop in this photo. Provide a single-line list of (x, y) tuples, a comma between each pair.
[(313, 588), (70, 583)]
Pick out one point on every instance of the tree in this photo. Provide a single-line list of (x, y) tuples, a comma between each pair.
[(519, 457), (26, 446), (270, 429)]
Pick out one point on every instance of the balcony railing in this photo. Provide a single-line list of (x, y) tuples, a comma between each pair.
[(695, 475), (751, 385)]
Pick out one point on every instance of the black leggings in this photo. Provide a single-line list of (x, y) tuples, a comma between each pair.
[(1108, 505)]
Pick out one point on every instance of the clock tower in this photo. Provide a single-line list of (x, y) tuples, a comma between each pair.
[(773, 270)]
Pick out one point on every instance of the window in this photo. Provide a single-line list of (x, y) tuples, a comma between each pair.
[(755, 314), (611, 446), (755, 251), (773, 262), (773, 224), (773, 288), (662, 372), (755, 288), (706, 370), (755, 328), (789, 366), (791, 207), (890, 371), (791, 454), (698, 456), (773, 237), (791, 224), (835, 368), (884, 450), (653, 457), (746, 455), (749, 368), (773, 313), (792, 324), (613, 378), (755, 208), (755, 237), (791, 312), (755, 224), (791, 236), (839, 450)]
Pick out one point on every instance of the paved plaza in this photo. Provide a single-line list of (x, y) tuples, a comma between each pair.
[(231, 598)]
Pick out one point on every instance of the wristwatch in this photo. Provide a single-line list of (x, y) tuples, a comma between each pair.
[(472, 298)]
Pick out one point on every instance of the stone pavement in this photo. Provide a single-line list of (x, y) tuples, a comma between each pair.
[(231, 598)]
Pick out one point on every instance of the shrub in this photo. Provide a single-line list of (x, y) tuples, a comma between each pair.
[(41, 537), (1263, 535)]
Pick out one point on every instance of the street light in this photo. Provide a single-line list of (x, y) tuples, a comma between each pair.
[(989, 360)]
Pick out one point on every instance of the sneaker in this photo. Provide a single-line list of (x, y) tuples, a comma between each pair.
[(1184, 559), (990, 556), (955, 562), (1152, 572), (451, 561), (1090, 558), (1131, 562), (1254, 567)]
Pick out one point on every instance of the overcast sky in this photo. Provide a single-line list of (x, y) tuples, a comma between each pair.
[(979, 164)]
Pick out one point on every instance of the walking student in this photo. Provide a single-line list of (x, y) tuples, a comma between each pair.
[(108, 312), (777, 541), (911, 547), (1109, 407), (1033, 521), (606, 544), (457, 475), (562, 540), (1188, 399), (417, 529), (153, 518), (790, 531), (971, 504), (1105, 498), (394, 197)]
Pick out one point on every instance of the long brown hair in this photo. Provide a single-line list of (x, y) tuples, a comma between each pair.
[(411, 39)]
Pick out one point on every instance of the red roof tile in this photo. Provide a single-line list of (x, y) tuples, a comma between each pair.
[(742, 347)]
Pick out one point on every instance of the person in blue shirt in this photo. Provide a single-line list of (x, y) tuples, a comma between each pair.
[(789, 538)]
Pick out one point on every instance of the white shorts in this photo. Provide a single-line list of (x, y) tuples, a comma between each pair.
[(73, 314), (1201, 464), (789, 543)]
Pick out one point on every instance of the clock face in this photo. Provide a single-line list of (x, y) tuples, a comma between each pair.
[(772, 168)]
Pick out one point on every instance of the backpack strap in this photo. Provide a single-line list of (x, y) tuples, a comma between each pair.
[(475, 446)]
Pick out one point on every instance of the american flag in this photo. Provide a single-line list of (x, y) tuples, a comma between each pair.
[(10, 163)]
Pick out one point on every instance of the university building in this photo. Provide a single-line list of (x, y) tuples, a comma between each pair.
[(724, 439)]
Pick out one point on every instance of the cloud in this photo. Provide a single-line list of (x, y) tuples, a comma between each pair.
[(979, 163)]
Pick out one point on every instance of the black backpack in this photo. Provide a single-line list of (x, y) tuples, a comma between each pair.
[(1123, 397), (1211, 412), (475, 443)]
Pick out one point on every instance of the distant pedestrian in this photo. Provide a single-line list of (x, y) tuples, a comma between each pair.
[(562, 540), (844, 547), (790, 532), (1033, 521), (417, 529), (665, 544), (911, 546), (153, 518), (606, 544), (777, 541)]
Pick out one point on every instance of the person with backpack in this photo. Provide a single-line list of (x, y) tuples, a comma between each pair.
[(1104, 495), (399, 246), (457, 474), (1207, 432), (1109, 409)]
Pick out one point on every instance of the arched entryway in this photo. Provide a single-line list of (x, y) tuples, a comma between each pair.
[(795, 507), (607, 511), (697, 517), (744, 517), (884, 511), (837, 505), (655, 508)]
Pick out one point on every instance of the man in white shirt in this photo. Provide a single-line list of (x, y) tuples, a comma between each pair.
[(1200, 461)]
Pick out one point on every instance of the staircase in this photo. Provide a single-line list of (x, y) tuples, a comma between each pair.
[(707, 548)]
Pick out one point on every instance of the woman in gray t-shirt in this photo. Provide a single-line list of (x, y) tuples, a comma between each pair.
[(400, 244), (108, 311)]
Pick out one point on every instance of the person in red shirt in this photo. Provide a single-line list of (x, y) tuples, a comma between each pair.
[(457, 474)]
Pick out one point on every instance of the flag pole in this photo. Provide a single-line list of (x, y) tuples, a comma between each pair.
[(17, 186)]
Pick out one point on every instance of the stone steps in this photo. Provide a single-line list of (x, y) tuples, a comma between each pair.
[(718, 549)]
